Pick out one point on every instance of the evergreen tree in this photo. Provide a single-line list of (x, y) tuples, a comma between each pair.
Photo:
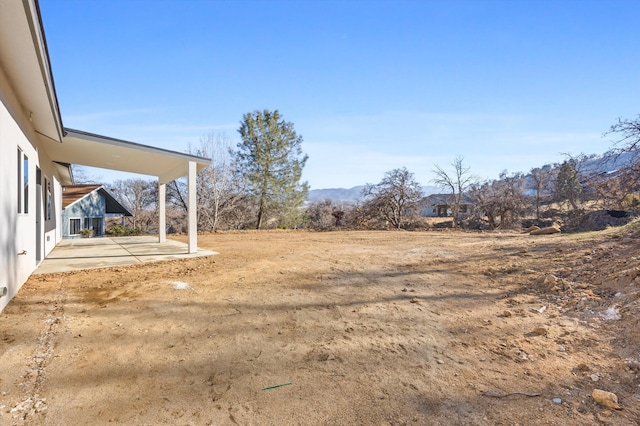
[(568, 186), (270, 158)]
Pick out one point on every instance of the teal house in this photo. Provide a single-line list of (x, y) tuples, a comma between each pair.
[(85, 209)]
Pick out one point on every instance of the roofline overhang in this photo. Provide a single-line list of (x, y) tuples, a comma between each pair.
[(32, 7), (134, 145)]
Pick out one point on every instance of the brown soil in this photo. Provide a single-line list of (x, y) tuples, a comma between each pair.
[(359, 327)]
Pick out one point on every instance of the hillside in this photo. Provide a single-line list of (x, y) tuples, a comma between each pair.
[(352, 195)]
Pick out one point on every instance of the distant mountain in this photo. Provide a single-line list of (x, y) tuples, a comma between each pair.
[(606, 163), (594, 164), (352, 195)]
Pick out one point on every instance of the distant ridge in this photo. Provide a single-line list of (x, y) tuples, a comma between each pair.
[(603, 163), (352, 195)]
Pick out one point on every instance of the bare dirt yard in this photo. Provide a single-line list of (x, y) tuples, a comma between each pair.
[(357, 327)]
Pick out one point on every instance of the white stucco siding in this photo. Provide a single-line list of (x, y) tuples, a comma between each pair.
[(17, 230), (51, 228), (8, 224)]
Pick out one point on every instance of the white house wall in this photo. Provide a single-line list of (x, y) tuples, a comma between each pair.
[(18, 257)]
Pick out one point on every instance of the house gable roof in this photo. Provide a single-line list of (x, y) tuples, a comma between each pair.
[(71, 194)]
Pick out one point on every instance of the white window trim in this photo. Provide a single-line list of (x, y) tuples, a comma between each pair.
[(23, 198), (48, 198), (81, 225)]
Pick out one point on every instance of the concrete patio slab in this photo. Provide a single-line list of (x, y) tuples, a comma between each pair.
[(90, 253)]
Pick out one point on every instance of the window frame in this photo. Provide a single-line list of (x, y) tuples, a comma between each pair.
[(48, 199), (79, 228), (22, 182)]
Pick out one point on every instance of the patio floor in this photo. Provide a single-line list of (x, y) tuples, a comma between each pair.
[(90, 253)]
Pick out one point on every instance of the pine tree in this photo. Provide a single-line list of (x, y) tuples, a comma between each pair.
[(270, 159), (568, 186)]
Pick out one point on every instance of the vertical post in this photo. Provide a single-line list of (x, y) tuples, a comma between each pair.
[(192, 208), (162, 212)]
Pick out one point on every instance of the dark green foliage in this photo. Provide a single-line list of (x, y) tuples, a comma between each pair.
[(270, 159), (122, 231), (568, 186)]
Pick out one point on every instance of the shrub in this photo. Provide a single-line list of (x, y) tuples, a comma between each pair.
[(122, 231), (86, 233)]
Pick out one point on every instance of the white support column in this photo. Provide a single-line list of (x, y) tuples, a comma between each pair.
[(162, 212), (192, 208)]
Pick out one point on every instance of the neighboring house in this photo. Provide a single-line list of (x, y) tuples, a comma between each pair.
[(85, 209), (37, 151), (439, 205)]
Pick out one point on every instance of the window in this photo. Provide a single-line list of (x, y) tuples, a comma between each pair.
[(74, 226), (23, 182), (19, 181), (47, 185), (95, 224)]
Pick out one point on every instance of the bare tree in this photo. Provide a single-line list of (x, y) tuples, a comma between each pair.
[(542, 178), (502, 201), (628, 131), (618, 189), (80, 175), (140, 197), (458, 182), (623, 187), (395, 198), (219, 190), (320, 215), (483, 196), (510, 200)]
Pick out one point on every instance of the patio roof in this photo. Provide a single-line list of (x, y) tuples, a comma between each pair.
[(89, 149)]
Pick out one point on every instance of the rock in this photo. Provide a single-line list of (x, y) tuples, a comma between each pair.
[(545, 231), (533, 228), (538, 311), (605, 399), (540, 331), (439, 361), (507, 314), (331, 357), (415, 300), (549, 282), (557, 400), (595, 377)]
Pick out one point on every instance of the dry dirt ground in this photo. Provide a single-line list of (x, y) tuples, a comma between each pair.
[(359, 327)]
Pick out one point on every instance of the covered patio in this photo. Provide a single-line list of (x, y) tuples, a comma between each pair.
[(90, 253), (89, 149)]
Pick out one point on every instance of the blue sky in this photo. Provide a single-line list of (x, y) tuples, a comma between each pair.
[(370, 85)]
